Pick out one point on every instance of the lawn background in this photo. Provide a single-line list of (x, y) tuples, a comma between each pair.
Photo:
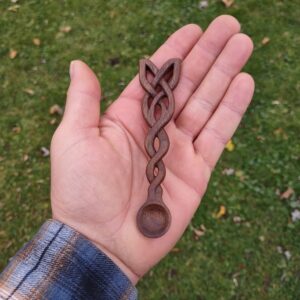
[(247, 259)]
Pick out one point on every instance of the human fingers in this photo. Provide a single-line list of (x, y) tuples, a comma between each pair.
[(83, 99), (221, 126), (206, 98)]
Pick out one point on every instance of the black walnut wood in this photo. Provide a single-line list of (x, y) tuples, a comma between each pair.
[(154, 218)]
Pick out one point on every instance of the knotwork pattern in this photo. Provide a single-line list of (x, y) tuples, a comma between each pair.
[(158, 108)]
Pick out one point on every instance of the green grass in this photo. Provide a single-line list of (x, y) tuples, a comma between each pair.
[(232, 260)]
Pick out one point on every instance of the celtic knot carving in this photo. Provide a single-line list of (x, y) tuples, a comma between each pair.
[(158, 108)]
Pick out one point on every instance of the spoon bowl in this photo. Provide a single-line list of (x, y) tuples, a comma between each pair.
[(153, 219)]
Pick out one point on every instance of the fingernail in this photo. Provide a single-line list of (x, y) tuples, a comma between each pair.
[(72, 69)]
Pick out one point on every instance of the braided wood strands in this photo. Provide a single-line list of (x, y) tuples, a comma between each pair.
[(154, 218)]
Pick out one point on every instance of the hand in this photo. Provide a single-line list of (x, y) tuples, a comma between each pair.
[(98, 162)]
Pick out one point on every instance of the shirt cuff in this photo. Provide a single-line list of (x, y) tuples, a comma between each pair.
[(60, 263)]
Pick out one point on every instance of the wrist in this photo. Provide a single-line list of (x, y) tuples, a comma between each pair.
[(132, 276), (126, 270), (59, 262)]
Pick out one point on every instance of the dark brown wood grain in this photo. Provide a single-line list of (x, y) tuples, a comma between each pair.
[(154, 217)]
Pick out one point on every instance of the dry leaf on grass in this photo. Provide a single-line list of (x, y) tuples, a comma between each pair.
[(287, 254), (13, 54), (203, 4), (237, 219), (296, 215), (279, 249), (276, 102), (53, 121), (16, 129), (36, 41), (230, 146), (55, 109), (198, 232), (228, 3), (265, 40), (14, 8), (287, 193), (220, 213), (29, 91), (228, 172), (45, 151), (261, 238), (240, 175), (175, 250), (65, 29), (278, 131)]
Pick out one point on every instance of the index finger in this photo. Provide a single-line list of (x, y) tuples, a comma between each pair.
[(178, 45)]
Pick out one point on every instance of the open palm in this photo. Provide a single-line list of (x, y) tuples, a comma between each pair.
[(98, 162)]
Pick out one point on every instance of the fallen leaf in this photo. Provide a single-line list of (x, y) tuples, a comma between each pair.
[(29, 91), (265, 40), (279, 249), (296, 215), (25, 157), (287, 194), (36, 41), (260, 138), (235, 282), (228, 3), (262, 238), (287, 254), (198, 233), (13, 1), (175, 250), (16, 129), (65, 29), (202, 227), (14, 8), (228, 172), (237, 219), (276, 102), (278, 131), (13, 54), (220, 213), (55, 109), (240, 175), (45, 151), (230, 146), (248, 224), (203, 4), (53, 121)]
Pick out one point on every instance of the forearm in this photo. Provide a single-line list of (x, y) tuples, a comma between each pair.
[(60, 263)]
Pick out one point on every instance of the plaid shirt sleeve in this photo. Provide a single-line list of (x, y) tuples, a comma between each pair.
[(59, 263)]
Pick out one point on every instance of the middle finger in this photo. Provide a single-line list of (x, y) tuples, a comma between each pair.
[(202, 56)]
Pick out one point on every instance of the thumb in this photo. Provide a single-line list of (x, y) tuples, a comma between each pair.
[(83, 99)]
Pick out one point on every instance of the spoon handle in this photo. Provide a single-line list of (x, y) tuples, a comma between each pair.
[(158, 108)]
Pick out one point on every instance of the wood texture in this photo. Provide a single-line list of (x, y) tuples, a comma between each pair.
[(154, 218)]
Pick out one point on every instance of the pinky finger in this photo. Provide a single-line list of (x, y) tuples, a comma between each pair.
[(221, 126)]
